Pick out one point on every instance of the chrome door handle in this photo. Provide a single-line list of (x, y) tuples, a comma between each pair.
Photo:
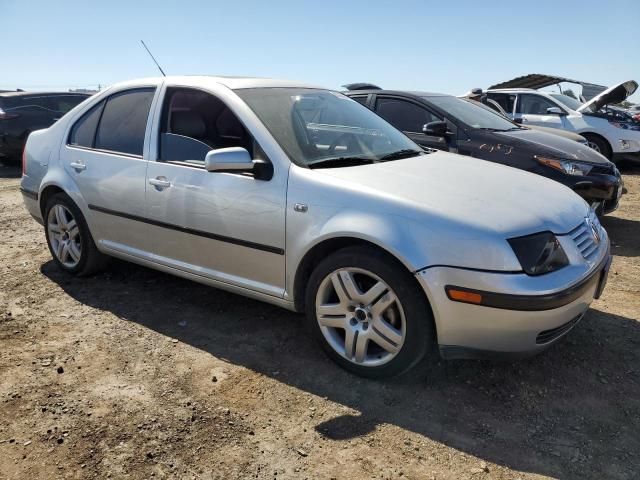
[(78, 167), (160, 182)]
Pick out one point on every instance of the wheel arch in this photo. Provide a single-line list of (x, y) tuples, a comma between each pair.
[(326, 247), (591, 133), (46, 193)]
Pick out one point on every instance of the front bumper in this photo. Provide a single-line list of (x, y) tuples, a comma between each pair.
[(532, 313), (602, 192)]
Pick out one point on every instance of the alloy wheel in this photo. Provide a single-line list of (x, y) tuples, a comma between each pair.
[(594, 146), (360, 316), (64, 236)]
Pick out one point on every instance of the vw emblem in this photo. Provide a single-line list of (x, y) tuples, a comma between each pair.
[(595, 232)]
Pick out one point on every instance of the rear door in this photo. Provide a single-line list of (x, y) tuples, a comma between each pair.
[(229, 227), (532, 109), (410, 117), (104, 157)]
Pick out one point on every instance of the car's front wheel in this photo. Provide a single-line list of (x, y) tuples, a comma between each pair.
[(68, 237), (599, 144), (368, 312)]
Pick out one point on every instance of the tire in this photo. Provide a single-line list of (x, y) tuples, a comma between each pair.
[(65, 225), (599, 144), (378, 323)]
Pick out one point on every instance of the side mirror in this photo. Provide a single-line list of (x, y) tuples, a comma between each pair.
[(437, 129), (237, 159), (555, 111), (518, 121)]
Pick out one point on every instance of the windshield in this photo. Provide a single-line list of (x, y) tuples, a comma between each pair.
[(570, 102), (472, 113), (324, 128)]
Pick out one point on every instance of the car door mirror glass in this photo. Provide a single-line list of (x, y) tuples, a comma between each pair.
[(438, 129)]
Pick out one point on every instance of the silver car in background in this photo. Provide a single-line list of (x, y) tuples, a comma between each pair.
[(301, 197)]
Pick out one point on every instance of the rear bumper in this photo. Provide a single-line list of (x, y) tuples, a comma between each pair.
[(524, 318)]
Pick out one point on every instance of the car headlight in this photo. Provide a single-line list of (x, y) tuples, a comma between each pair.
[(539, 253), (566, 166)]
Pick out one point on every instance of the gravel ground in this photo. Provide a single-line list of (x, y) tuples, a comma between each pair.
[(136, 374)]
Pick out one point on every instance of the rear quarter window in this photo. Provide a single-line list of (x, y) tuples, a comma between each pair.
[(83, 131)]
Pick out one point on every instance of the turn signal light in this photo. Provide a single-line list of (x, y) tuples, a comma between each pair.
[(464, 296)]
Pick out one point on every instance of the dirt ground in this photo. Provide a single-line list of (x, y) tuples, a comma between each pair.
[(137, 374)]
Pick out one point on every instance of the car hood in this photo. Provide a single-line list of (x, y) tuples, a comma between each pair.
[(485, 197), (543, 143), (616, 94)]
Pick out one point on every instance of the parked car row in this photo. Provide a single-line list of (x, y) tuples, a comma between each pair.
[(469, 128), (615, 137), (304, 198)]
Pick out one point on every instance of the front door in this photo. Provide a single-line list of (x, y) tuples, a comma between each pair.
[(532, 109), (410, 118), (226, 226)]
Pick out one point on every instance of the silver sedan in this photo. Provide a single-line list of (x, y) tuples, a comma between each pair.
[(301, 197)]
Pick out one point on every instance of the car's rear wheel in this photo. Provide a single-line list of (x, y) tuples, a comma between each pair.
[(368, 313), (68, 237), (599, 144)]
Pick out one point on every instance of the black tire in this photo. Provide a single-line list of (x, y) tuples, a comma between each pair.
[(420, 337), (91, 260), (600, 143)]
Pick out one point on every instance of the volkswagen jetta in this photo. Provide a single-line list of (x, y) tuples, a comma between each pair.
[(302, 197)]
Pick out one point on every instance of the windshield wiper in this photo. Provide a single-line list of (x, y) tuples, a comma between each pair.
[(404, 153), (340, 162)]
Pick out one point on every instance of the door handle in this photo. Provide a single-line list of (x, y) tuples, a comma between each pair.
[(160, 182), (77, 166)]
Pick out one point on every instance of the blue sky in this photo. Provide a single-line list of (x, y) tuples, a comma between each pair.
[(438, 46)]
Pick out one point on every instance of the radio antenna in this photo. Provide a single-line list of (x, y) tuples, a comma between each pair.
[(153, 58)]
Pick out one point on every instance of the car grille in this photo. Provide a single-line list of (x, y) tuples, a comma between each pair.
[(547, 336), (584, 240), (606, 169)]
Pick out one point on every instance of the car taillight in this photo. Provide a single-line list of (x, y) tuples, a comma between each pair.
[(7, 116)]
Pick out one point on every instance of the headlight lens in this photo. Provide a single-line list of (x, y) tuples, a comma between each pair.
[(566, 166), (539, 253)]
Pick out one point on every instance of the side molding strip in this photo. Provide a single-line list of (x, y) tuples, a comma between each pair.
[(190, 231)]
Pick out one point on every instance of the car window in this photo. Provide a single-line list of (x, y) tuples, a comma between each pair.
[(404, 115), (83, 132), (195, 122), (124, 121), (570, 102), (505, 100), (360, 99), (533, 104), (320, 127), (64, 103), (473, 114)]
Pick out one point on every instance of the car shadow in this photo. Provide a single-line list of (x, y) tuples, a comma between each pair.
[(623, 234), (572, 412)]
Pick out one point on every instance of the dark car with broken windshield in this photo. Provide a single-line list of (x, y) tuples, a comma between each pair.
[(445, 122)]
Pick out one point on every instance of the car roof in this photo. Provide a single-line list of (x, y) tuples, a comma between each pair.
[(233, 83), (512, 90), (410, 93), (13, 93)]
